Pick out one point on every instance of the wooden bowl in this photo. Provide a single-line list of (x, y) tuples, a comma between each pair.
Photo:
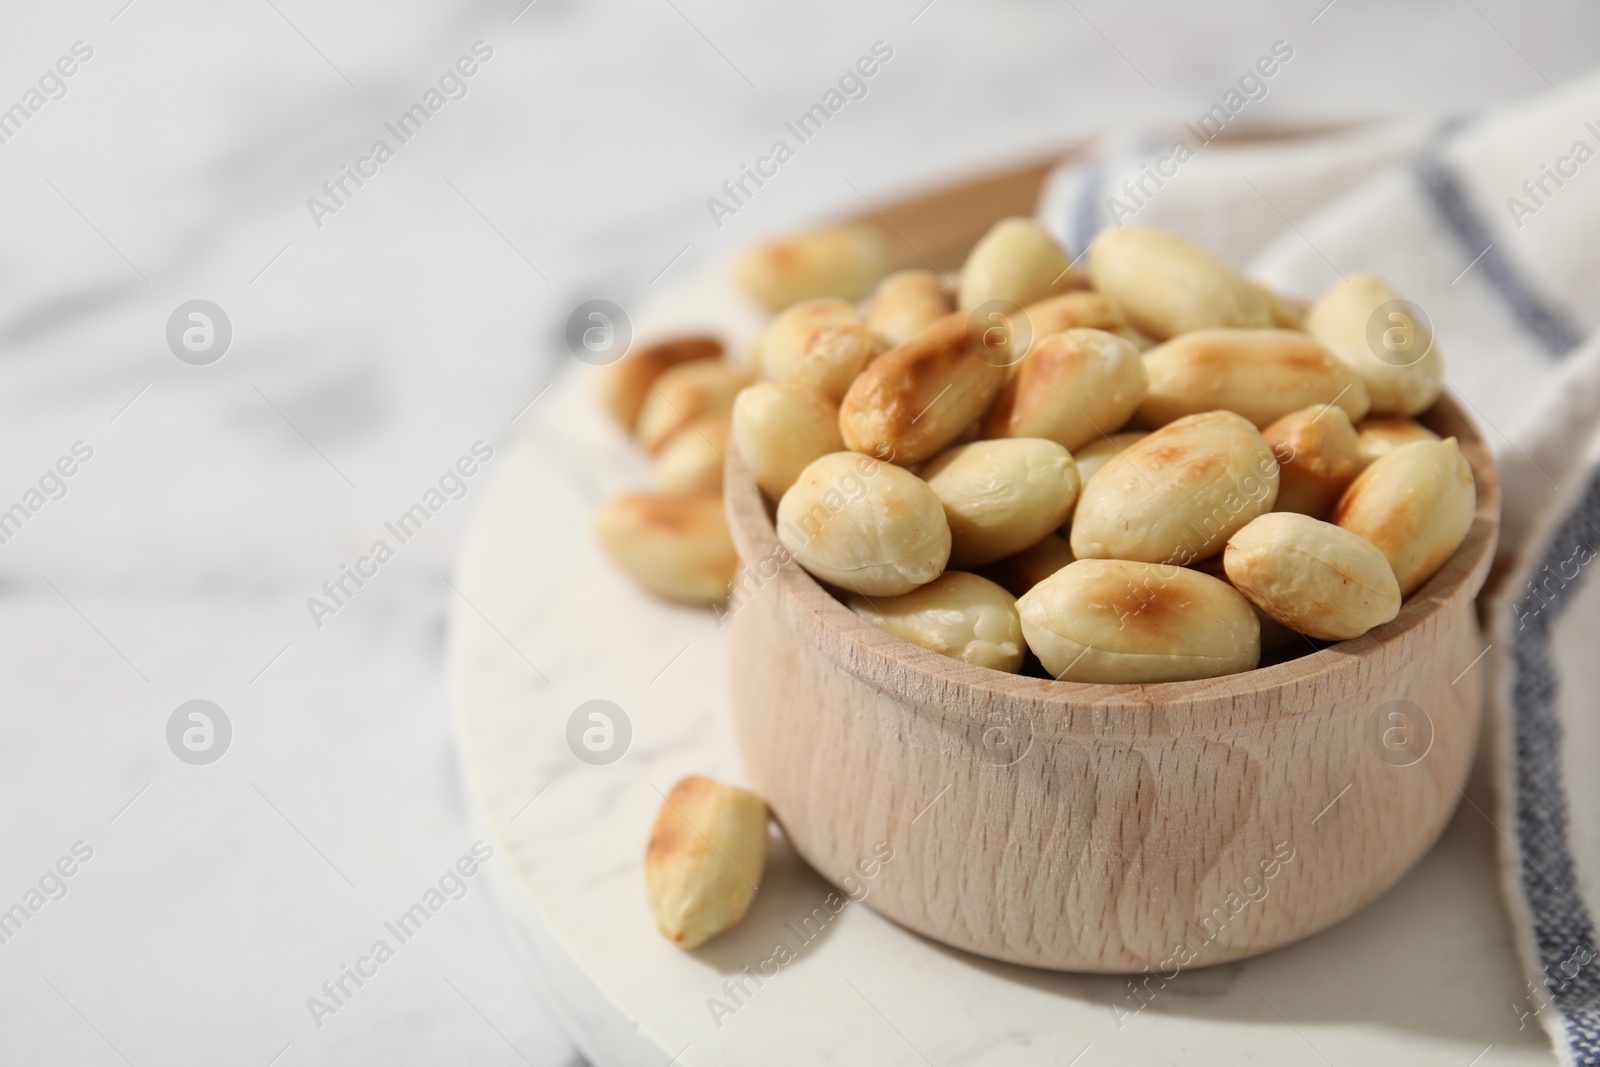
[(1107, 828)]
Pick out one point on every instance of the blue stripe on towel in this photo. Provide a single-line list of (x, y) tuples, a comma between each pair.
[(1086, 212), (1562, 924), (1553, 330)]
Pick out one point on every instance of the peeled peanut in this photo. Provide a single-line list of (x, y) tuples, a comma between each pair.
[(905, 304), (704, 861), (1026, 569), (1415, 504), (864, 525), (1016, 261), (1312, 576), (1374, 437), (1000, 497), (958, 615), (1177, 495), (693, 457), (821, 344), (1317, 457), (1078, 310), (1072, 388), (1094, 455), (842, 261), (1287, 312), (1102, 620), (780, 429), (675, 545), (1395, 355), (1274, 635), (914, 400), (1169, 285), (1260, 374), (623, 386), (684, 395)]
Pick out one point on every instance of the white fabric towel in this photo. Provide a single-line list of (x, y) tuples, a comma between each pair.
[(1492, 225)]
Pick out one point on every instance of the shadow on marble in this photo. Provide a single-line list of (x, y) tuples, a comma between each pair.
[(792, 909)]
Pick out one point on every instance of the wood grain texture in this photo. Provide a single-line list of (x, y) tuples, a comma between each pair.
[(1099, 828)]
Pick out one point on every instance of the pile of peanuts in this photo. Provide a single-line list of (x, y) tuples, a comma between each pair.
[(1151, 470)]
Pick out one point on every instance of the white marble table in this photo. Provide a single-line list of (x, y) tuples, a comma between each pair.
[(368, 355)]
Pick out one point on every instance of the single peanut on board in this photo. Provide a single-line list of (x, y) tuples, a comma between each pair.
[(959, 615), (705, 858), (684, 395), (1001, 496), (905, 304), (821, 344), (1178, 494), (864, 525), (1312, 576), (693, 458), (781, 429), (842, 261), (914, 400), (675, 545), (1415, 504), (1361, 320), (1317, 457), (1072, 388), (623, 386), (1260, 374), (1168, 285), (1016, 261), (1105, 620)]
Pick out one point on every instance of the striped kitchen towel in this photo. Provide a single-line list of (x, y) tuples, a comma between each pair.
[(1491, 223)]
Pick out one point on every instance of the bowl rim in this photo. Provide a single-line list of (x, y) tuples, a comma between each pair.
[(895, 664)]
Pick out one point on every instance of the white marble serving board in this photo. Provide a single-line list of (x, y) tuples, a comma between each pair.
[(543, 623)]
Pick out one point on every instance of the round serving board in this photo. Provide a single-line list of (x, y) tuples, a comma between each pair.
[(542, 624)]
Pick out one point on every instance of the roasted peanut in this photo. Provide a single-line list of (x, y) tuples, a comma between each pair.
[(1169, 285), (675, 545), (623, 386), (842, 261), (1287, 312), (704, 861), (914, 400), (1094, 455), (693, 457), (1363, 322), (1312, 576), (1317, 457), (905, 304), (1077, 310), (821, 344), (780, 429), (684, 395), (1072, 388), (1177, 495), (1101, 620), (1415, 504), (1260, 374), (1026, 569), (958, 615), (1274, 635), (1016, 261), (864, 525), (1000, 497), (1375, 437)]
